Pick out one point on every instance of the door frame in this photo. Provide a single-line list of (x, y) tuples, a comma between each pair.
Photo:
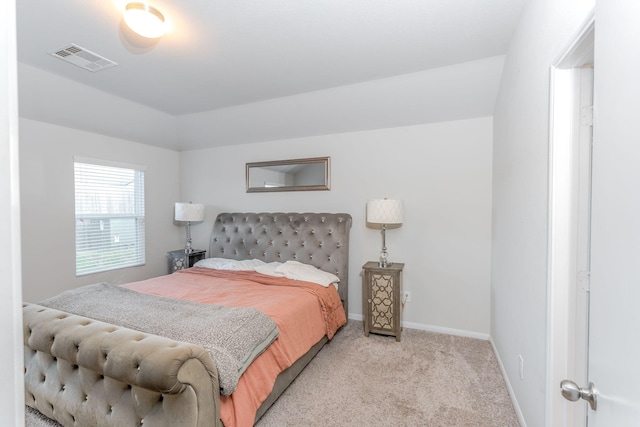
[(11, 358), (567, 309)]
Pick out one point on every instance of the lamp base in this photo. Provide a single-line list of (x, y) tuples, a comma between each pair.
[(384, 258), (187, 246)]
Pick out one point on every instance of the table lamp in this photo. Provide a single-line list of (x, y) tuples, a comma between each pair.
[(380, 214), (189, 212)]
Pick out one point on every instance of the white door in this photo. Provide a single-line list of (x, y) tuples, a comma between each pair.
[(614, 325)]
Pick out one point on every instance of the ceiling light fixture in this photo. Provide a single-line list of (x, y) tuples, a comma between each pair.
[(144, 20)]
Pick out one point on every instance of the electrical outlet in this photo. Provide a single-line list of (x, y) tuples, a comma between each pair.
[(521, 366), (406, 296)]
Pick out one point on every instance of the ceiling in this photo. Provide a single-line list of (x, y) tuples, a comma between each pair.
[(220, 54)]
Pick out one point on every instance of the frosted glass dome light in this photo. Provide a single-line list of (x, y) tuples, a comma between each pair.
[(145, 20)]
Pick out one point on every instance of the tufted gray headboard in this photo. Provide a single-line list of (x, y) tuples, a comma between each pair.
[(319, 239)]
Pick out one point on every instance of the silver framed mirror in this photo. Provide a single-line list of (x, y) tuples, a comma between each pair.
[(309, 174)]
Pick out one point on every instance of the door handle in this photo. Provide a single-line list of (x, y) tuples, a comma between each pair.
[(572, 392)]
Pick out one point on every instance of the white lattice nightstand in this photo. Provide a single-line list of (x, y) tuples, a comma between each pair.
[(382, 299)]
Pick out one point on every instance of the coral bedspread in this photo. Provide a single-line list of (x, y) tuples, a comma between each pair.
[(304, 313)]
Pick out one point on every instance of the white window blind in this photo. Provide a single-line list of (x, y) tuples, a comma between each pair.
[(109, 217)]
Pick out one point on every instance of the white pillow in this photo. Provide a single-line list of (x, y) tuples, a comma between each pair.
[(229, 264), (269, 269), (298, 271)]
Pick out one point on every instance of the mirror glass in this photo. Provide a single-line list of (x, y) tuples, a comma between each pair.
[(288, 175)]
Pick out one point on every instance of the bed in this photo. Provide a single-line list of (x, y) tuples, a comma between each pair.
[(82, 371)]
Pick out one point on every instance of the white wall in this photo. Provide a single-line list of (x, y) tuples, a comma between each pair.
[(47, 202), (520, 193), (441, 171), (11, 371)]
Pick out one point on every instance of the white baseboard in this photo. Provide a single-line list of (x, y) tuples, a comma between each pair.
[(431, 328), (516, 407), (448, 331)]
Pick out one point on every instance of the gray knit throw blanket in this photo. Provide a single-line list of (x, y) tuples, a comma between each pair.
[(233, 336)]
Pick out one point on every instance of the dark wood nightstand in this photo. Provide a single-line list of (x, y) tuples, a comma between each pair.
[(179, 260), (382, 299)]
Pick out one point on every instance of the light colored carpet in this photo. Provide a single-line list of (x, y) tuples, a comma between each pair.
[(427, 379)]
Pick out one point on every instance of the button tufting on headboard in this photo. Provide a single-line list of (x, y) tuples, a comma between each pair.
[(320, 239)]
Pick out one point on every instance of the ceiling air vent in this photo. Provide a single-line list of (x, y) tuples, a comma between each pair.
[(83, 58)]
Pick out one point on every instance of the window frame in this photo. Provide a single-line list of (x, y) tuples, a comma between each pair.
[(139, 216)]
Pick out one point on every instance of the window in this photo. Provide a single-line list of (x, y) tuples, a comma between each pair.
[(109, 216)]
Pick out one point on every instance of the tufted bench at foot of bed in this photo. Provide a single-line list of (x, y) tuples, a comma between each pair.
[(80, 371)]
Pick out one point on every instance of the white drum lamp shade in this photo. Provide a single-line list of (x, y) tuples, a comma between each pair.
[(189, 212), (384, 211)]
